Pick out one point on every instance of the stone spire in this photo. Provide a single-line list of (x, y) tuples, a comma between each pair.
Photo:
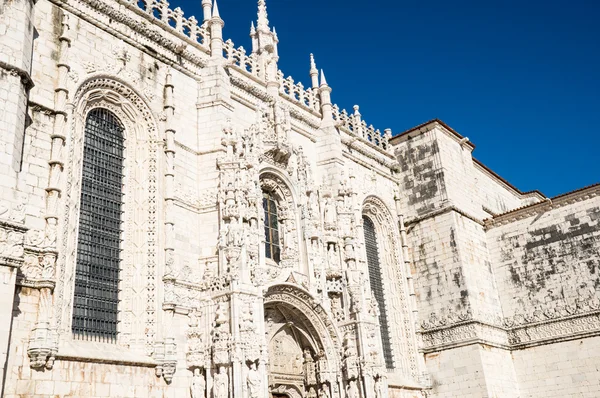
[(326, 106), (263, 21), (215, 10), (314, 72), (263, 39), (264, 45), (216, 32)]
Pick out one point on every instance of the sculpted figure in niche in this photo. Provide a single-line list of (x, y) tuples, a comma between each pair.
[(221, 385), (254, 382), (313, 207), (198, 384), (247, 317), (221, 317), (329, 212), (332, 255), (324, 391), (352, 389), (378, 388)]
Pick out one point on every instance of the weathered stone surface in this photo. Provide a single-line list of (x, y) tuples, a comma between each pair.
[(477, 293)]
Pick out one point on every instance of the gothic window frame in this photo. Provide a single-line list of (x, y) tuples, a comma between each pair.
[(95, 313), (377, 287), (273, 182), (395, 287), (272, 236), (139, 222)]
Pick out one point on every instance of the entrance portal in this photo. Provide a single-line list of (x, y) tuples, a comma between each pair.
[(291, 354), (303, 344)]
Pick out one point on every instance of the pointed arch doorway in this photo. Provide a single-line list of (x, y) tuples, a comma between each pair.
[(301, 344)]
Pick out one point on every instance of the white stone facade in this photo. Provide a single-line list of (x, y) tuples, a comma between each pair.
[(472, 287)]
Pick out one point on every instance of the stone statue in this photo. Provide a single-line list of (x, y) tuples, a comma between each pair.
[(198, 384), (378, 388), (329, 212), (352, 389), (324, 391), (221, 383), (247, 317), (221, 317), (254, 382)]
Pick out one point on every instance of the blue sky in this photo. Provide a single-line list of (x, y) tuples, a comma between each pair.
[(519, 78)]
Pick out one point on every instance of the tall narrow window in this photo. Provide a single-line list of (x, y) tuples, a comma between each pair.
[(272, 249), (376, 280), (99, 245)]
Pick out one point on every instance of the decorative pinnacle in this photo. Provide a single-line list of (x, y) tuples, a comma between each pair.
[(323, 81), (215, 10), (252, 28), (263, 21), (313, 65)]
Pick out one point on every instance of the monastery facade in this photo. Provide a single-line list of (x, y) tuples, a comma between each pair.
[(179, 219)]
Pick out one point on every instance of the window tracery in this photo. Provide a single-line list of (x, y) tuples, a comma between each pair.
[(96, 298), (376, 283), (272, 241)]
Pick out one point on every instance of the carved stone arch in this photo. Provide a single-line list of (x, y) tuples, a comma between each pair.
[(395, 285), (136, 320), (276, 178), (304, 309)]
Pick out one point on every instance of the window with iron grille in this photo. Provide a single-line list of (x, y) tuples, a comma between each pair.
[(272, 248), (376, 281), (99, 241)]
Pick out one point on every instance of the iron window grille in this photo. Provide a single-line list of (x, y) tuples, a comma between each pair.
[(272, 246), (96, 297), (376, 282)]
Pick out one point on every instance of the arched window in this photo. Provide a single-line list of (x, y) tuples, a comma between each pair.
[(272, 245), (99, 239), (376, 281)]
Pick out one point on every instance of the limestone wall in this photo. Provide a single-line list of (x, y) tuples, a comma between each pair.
[(546, 259), (568, 369)]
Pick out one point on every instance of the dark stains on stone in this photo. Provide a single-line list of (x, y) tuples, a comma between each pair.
[(423, 179), (556, 255), (515, 276), (464, 298), (458, 279)]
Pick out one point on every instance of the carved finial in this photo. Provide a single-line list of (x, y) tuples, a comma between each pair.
[(263, 21), (356, 108), (252, 29), (313, 65)]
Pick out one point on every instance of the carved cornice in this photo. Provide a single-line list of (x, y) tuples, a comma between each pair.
[(462, 334), (519, 337), (16, 71), (542, 207), (555, 330), (441, 211)]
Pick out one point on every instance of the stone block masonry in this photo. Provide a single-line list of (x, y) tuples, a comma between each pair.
[(239, 265)]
